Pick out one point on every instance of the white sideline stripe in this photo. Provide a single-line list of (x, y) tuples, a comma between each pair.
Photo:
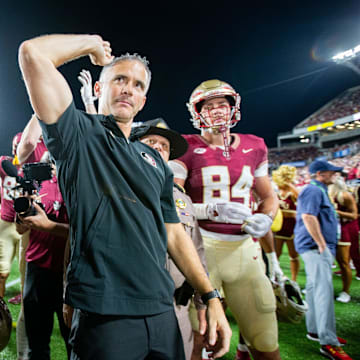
[(12, 283)]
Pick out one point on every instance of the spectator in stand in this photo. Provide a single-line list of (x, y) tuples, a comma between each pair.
[(354, 173), (347, 210)]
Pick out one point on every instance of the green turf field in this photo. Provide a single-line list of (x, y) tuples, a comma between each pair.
[(292, 340)]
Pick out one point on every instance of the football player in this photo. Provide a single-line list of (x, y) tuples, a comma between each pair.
[(220, 172), (9, 240)]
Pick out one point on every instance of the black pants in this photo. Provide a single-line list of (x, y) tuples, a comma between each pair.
[(109, 337), (43, 296)]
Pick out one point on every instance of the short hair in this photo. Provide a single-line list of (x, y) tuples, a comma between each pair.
[(131, 57)]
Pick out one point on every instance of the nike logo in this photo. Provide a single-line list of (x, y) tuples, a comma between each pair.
[(245, 151), (255, 257)]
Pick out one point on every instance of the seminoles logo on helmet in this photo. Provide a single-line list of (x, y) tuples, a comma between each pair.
[(211, 89)]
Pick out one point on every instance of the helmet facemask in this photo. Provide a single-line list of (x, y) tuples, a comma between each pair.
[(290, 307), (206, 118)]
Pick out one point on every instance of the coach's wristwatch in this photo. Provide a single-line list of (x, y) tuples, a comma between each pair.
[(210, 295)]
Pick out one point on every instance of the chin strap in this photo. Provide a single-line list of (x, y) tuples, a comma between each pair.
[(223, 130)]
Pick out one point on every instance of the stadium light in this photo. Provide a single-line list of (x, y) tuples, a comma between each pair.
[(345, 57)]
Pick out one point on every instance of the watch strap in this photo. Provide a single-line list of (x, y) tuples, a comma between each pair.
[(210, 295)]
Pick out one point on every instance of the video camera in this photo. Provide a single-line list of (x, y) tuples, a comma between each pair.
[(30, 184)]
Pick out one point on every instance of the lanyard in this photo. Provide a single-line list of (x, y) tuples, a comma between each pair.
[(335, 213)]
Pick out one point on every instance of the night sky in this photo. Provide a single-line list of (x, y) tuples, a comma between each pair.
[(276, 56)]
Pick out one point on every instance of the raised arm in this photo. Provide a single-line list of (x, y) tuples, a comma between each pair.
[(86, 91), (29, 139), (39, 58)]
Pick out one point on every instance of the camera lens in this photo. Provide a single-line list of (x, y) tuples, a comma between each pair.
[(22, 204)]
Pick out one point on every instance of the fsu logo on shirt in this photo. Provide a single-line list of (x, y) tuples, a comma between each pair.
[(200, 151), (148, 158)]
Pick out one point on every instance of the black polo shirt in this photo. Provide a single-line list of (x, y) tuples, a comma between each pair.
[(119, 195)]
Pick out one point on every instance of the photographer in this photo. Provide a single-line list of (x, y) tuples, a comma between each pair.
[(43, 281)]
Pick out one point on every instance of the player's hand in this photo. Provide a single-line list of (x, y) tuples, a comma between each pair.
[(101, 54), (257, 225), (219, 332), (228, 212), (86, 90), (275, 272)]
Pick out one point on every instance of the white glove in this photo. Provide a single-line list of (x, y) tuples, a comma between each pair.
[(275, 272), (229, 212), (86, 90), (257, 225)]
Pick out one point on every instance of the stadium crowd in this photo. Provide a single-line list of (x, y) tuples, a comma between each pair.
[(346, 104)]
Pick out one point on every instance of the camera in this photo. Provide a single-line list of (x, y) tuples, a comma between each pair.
[(30, 184)]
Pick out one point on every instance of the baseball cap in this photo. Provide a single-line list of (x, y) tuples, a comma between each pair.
[(322, 165)]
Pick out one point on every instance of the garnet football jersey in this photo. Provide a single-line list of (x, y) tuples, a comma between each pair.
[(7, 193), (40, 154), (212, 178)]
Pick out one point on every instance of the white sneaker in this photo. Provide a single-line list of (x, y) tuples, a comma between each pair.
[(303, 291), (351, 263), (343, 297)]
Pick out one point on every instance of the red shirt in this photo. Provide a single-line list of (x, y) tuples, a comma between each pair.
[(212, 178), (40, 154), (47, 250)]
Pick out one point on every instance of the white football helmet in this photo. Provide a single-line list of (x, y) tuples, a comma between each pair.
[(211, 89), (290, 307)]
